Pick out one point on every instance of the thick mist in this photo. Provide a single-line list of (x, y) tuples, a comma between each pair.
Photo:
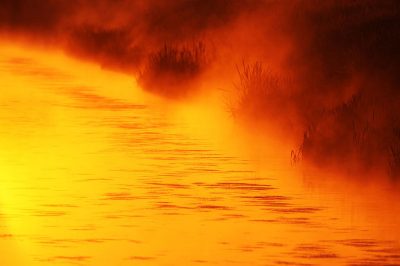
[(323, 73)]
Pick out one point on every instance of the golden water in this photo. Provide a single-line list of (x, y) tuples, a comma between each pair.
[(94, 172)]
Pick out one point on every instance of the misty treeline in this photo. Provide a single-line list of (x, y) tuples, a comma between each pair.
[(325, 71)]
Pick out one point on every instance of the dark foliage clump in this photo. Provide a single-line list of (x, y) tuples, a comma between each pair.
[(394, 151), (341, 135), (170, 71), (261, 94)]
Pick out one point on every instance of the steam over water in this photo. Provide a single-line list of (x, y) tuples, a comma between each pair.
[(91, 174)]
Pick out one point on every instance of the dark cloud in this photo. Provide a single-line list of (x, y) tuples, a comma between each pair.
[(116, 33), (184, 19), (34, 15)]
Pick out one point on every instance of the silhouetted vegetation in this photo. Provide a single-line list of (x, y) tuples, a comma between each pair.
[(341, 48), (342, 135), (354, 44), (171, 67), (260, 92), (394, 152)]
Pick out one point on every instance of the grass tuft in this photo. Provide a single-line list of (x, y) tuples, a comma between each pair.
[(342, 134), (259, 91), (394, 152), (172, 66)]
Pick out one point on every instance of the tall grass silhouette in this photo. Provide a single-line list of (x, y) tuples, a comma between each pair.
[(394, 151), (172, 66), (340, 48), (342, 134), (259, 91)]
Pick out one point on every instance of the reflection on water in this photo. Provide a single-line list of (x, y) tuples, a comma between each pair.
[(93, 176)]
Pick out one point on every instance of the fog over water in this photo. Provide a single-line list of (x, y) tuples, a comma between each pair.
[(327, 71), (93, 176)]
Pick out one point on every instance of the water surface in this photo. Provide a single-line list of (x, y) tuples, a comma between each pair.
[(93, 172)]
